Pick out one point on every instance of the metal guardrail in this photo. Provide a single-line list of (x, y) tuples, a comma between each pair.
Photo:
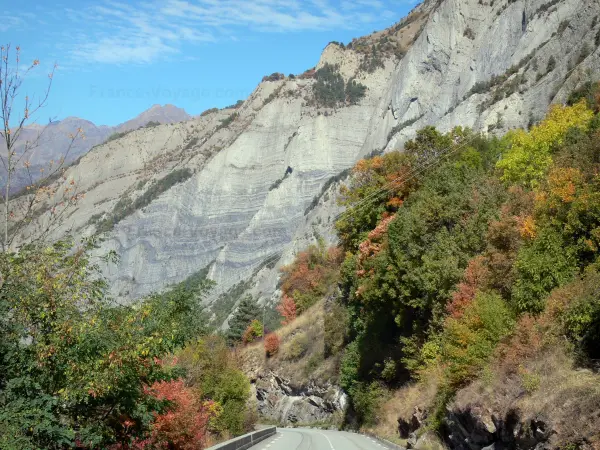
[(246, 441)]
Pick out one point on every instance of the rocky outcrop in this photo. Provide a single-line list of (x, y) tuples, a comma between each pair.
[(473, 429), (280, 401), (477, 428), (488, 65)]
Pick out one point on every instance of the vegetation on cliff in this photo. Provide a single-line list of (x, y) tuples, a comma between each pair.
[(468, 255)]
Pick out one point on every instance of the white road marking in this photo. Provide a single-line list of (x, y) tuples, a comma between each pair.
[(330, 444)]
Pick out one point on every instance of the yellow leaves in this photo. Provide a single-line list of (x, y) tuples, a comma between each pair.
[(530, 154), (552, 130), (528, 228)]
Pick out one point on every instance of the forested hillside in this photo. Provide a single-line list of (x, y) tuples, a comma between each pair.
[(468, 295)]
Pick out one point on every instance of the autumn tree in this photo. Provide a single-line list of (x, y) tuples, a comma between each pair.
[(287, 309), (43, 200)]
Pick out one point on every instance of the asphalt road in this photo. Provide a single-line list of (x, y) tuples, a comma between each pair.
[(309, 439)]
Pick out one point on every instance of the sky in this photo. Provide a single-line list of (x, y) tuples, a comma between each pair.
[(116, 59)]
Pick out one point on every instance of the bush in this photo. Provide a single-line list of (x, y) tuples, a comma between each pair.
[(115, 136), (227, 121), (209, 111), (74, 363), (253, 332), (355, 91), (335, 329), (310, 276), (212, 370), (287, 309), (467, 343), (329, 88), (184, 424), (366, 401), (271, 344), (297, 347), (469, 33), (551, 64)]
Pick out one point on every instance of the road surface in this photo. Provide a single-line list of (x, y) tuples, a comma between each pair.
[(309, 439)]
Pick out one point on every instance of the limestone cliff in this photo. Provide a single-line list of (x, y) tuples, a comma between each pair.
[(259, 190)]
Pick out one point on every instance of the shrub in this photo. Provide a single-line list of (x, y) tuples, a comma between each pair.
[(209, 111), (183, 426), (253, 332), (212, 370), (335, 329), (469, 33), (576, 310), (541, 265), (227, 121), (297, 347), (366, 401), (329, 88), (355, 91), (551, 64), (469, 341), (271, 344), (562, 27), (287, 309), (74, 361), (191, 143), (530, 154), (118, 135), (310, 276), (330, 91)]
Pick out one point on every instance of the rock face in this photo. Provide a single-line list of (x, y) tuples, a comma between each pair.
[(258, 169), (477, 428), (280, 401)]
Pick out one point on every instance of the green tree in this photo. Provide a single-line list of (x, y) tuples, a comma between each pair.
[(243, 316), (73, 363), (212, 369)]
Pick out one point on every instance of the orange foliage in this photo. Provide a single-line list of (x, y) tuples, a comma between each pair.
[(184, 425), (563, 183), (310, 275), (475, 277), (271, 344), (374, 243), (287, 309), (525, 343)]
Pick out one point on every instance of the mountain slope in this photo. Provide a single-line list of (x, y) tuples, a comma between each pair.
[(53, 141), (257, 170)]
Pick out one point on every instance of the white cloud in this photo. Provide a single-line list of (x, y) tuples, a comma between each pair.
[(142, 32)]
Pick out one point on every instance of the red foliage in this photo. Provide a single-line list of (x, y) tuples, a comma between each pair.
[(374, 243), (526, 342), (475, 277), (311, 272), (271, 344), (287, 309), (184, 425)]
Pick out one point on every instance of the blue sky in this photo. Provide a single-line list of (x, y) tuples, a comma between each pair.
[(116, 59)]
